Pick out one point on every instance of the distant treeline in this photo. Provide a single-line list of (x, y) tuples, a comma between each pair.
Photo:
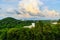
[(12, 29)]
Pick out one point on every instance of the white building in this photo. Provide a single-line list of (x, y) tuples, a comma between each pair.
[(54, 23), (31, 26)]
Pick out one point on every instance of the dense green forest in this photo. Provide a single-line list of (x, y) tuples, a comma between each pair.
[(12, 29)]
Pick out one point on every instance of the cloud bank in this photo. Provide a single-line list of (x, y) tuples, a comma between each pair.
[(31, 9)]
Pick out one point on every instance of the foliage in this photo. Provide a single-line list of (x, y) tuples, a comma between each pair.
[(12, 29)]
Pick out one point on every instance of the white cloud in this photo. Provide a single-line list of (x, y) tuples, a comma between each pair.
[(10, 10), (3, 16), (31, 6), (50, 13)]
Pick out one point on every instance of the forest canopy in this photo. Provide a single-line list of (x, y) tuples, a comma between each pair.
[(12, 29)]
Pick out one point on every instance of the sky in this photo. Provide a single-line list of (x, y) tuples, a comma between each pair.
[(30, 9)]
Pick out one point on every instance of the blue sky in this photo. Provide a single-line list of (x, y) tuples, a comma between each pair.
[(53, 5), (36, 9)]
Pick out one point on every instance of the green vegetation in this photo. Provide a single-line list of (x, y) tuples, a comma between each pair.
[(12, 29)]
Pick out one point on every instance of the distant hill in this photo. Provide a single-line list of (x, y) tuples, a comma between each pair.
[(11, 23)]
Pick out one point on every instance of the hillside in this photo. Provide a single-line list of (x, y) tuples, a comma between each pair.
[(12, 29), (11, 23)]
